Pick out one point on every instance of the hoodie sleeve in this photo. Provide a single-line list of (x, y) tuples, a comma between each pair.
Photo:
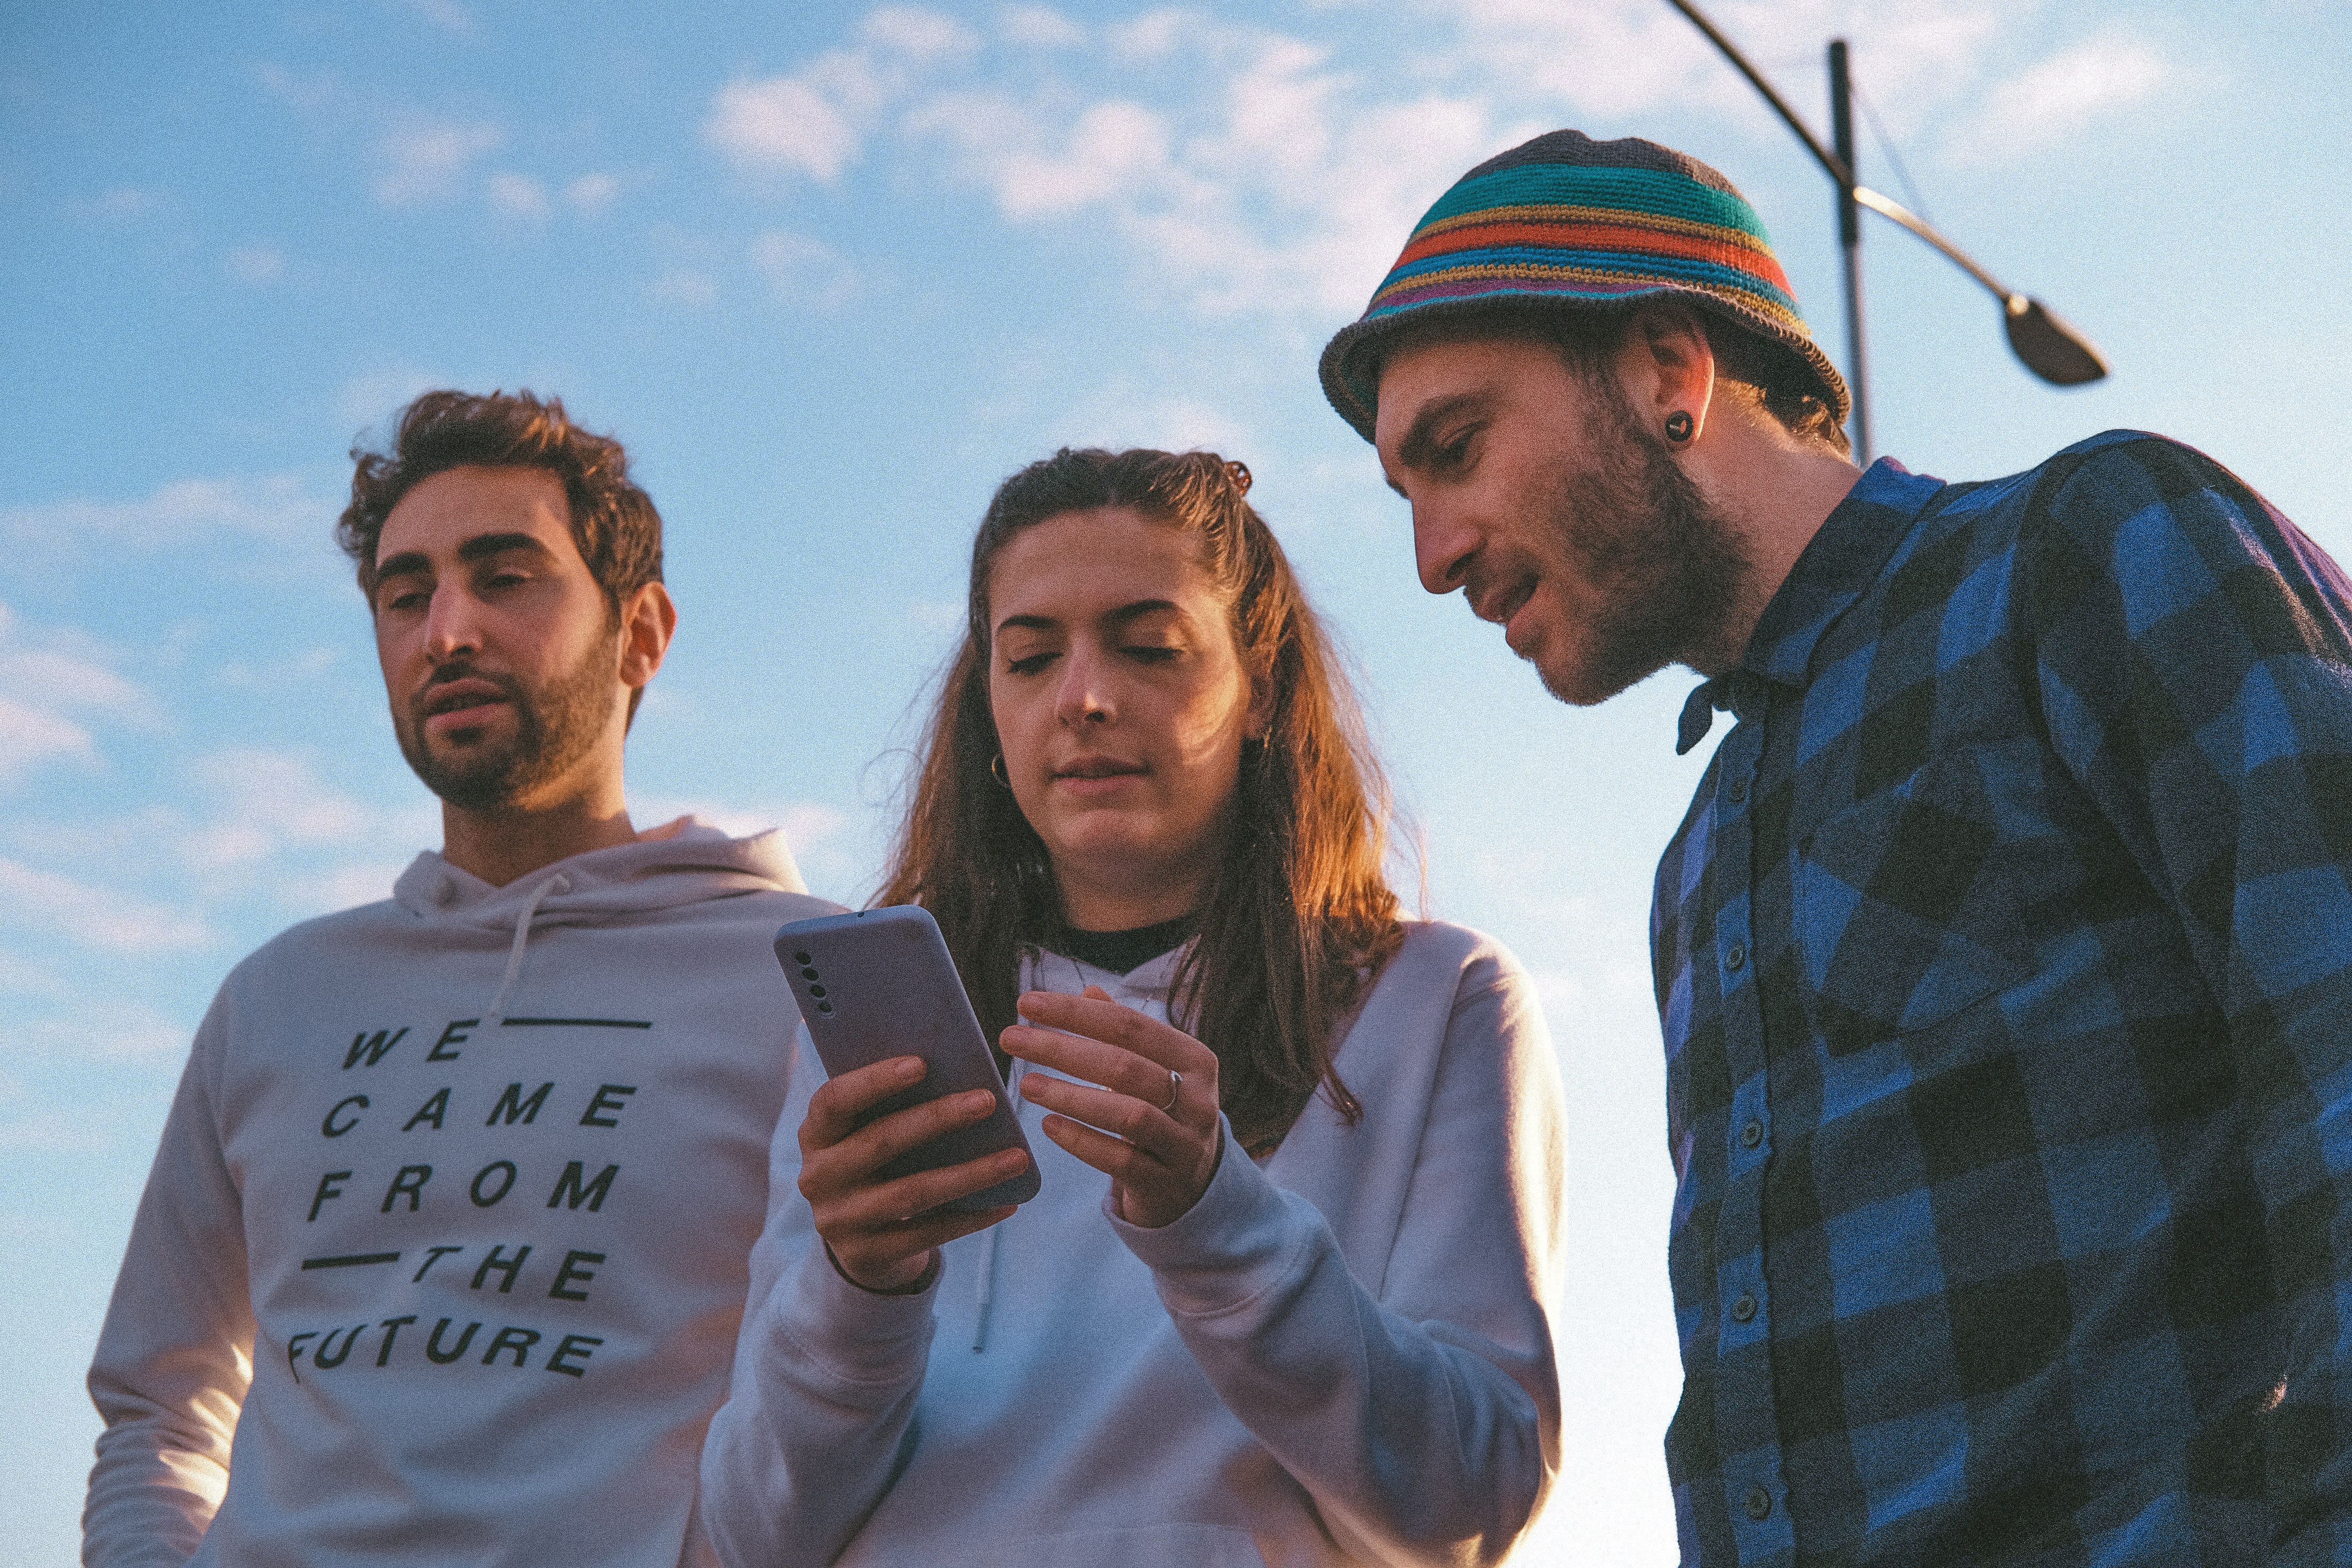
[(1422, 1412), (825, 1381), (176, 1356)]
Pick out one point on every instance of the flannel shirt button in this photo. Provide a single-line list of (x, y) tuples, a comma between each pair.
[(1744, 1308), (1737, 791), (1751, 1135), (1759, 1503), (1735, 957)]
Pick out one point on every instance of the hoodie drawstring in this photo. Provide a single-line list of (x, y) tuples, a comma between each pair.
[(558, 883), (984, 1287), (984, 1290)]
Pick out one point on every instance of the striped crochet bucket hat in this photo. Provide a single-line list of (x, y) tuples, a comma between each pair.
[(1567, 221)]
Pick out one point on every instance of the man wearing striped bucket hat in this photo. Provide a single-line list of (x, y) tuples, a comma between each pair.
[(2004, 957)]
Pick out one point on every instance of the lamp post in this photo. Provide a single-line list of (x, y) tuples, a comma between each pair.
[(1850, 242), (2049, 347)]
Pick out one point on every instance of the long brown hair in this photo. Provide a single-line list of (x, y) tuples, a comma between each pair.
[(1297, 918)]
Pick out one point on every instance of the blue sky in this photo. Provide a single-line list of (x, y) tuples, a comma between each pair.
[(831, 271)]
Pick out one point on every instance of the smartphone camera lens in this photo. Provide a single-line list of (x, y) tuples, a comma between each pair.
[(824, 1007), (816, 990), (802, 958), (808, 974)]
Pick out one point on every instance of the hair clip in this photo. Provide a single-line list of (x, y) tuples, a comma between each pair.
[(1240, 475)]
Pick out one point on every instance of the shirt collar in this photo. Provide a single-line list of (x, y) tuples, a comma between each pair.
[(1845, 557)]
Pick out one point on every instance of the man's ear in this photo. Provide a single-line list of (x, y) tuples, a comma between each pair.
[(648, 620), (1666, 366)]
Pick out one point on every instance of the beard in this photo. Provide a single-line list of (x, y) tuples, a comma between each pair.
[(1665, 566), (555, 728)]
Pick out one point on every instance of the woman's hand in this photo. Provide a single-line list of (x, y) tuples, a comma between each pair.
[(881, 1231), (1167, 1133)]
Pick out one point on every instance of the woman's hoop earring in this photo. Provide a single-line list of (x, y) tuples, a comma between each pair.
[(1678, 427), (996, 770)]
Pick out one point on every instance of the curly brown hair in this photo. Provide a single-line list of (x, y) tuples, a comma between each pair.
[(1298, 918), (614, 523)]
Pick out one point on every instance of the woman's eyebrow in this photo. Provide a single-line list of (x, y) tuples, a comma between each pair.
[(1028, 623), (1139, 609)]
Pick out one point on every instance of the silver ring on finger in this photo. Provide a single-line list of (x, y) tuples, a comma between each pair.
[(1175, 1088)]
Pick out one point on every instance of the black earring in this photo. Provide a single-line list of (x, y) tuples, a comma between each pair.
[(1678, 427)]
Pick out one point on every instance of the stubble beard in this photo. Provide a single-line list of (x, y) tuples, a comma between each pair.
[(1666, 568), (554, 729)]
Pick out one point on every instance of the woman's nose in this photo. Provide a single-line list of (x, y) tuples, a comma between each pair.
[(1085, 696)]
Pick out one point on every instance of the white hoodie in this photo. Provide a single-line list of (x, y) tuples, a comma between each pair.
[(445, 1247), (1342, 1356)]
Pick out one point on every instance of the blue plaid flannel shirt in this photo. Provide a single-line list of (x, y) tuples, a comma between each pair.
[(2005, 964)]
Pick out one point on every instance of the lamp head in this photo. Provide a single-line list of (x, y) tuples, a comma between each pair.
[(2051, 348)]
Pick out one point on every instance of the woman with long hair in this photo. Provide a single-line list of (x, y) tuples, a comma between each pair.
[(1283, 1297)]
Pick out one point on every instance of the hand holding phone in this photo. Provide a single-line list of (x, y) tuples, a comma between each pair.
[(911, 1142), (881, 1228)]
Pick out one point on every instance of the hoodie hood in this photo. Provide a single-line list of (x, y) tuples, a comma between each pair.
[(683, 862)]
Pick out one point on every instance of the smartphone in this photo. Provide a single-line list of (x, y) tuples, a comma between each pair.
[(878, 984)]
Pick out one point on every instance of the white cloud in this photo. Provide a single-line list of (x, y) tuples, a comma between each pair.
[(591, 194), (258, 263), (426, 159), (277, 671), (2065, 94), (45, 902), (1618, 58), (1154, 35), (274, 508), (1240, 169), (1114, 146), (1261, 182), (30, 736), (269, 801), (1040, 28), (50, 1130), (781, 124), (338, 888), (814, 122), (251, 823), (519, 197), (66, 669), (804, 271), (101, 1029), (49, 681), (1268, 187), (914, 33), (61, 680)]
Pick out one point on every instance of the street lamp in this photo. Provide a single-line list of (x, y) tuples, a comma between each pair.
[(2051, 349)]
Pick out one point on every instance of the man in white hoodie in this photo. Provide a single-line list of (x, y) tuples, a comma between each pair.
[(444, 1246)]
